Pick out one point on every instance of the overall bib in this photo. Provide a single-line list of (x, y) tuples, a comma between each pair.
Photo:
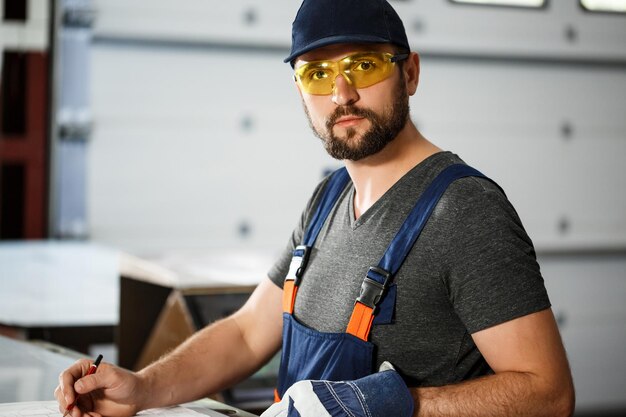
[(309, 354)]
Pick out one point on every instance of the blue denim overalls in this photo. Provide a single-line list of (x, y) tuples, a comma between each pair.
[(309, 354)]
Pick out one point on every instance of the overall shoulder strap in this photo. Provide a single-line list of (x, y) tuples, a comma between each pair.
[(332, 190), (379, 277), (412, 227)]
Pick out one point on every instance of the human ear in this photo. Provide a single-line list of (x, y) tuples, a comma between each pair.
[(411, 70)]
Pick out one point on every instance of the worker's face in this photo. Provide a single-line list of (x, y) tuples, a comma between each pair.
[(354, 122)]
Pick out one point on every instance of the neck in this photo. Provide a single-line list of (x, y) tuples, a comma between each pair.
[(374, 175)]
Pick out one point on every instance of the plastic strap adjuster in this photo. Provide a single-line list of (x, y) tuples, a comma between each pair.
[(303, 252), (294, 277), (299, 260), (372, 289)]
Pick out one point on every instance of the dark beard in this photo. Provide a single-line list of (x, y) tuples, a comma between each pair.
[(384, 128)]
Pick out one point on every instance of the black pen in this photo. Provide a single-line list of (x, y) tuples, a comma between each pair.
[(92, 369)]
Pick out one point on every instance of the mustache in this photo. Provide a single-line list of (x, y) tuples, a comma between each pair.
[(349, 111)]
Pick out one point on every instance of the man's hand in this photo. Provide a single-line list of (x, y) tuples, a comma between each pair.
[(379, 395), (111, 391)]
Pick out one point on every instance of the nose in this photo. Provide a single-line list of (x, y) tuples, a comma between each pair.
[(344, 93)]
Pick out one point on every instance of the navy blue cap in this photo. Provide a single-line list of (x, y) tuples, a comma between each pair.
[(327, 22)]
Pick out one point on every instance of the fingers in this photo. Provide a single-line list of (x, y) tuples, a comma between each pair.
[(65, 393), (92, 382), (108, 391), (58, 395)]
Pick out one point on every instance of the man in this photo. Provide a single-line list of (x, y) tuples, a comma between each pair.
[(407, 262)]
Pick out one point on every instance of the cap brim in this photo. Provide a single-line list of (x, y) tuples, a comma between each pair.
[(331, 40)]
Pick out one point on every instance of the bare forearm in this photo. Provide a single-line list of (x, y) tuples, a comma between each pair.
[(209, 361), (507, 394)]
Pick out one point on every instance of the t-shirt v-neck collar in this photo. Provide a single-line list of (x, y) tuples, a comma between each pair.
[(381, 202)]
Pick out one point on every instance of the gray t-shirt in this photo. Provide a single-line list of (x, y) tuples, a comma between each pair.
[(472, 267)]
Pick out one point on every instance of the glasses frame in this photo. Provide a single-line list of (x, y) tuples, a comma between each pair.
[(389, 57)]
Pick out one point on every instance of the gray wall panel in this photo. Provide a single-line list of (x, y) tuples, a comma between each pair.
[(199, 135)]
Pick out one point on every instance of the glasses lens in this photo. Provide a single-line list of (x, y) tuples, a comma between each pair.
[(367, 69), (362, 70), (317, 77)]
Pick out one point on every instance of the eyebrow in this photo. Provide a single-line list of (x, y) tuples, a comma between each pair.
[(304, 62)]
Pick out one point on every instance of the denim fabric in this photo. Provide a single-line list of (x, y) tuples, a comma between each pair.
[(311, 355), (382, 394), (378, 395), (386, 394), (340, 398)]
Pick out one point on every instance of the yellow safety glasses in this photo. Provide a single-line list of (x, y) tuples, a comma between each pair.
[(361, 70)]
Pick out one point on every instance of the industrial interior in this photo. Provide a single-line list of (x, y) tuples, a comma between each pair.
[(155, 159)]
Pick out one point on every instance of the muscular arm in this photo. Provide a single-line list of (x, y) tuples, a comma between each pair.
[(220, 354), (532, 376)]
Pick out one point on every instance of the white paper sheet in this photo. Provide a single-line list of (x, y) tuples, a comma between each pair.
[(51, 409)]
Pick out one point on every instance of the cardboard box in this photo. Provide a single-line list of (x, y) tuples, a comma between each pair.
[(165, 300)]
